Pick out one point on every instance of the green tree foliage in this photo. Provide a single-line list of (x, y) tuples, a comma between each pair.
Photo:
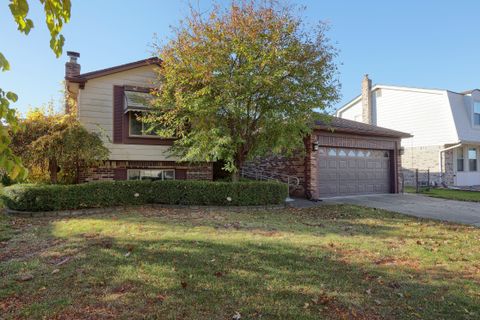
[(57, 12), (55, 146), (242, 82)]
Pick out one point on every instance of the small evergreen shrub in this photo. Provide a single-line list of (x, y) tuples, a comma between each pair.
[(34, 197)]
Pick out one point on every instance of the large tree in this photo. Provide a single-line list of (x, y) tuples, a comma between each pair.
[(242, 81), (57, 12)]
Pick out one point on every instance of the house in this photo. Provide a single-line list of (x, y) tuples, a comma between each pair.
[(106, 104), (341, 157), (445, 128)]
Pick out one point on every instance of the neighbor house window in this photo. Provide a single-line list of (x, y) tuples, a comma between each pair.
[(472, 159), (460, 160), (476, 113), (138, 127), (153, 174)]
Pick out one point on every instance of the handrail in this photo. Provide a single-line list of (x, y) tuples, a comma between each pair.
[(257, 174)]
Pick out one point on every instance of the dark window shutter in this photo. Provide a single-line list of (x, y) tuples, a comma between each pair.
[(118, 114), (120, 174), (181, 174)]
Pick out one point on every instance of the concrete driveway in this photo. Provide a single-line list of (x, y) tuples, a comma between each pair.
[(412, 204)]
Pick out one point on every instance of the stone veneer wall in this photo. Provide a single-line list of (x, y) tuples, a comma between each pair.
[(276, 164), (116, 170), (427, 158)]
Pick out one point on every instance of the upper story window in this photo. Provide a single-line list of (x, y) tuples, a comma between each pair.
[(472, 159), (139, 128), (476, 113), (136, 105)]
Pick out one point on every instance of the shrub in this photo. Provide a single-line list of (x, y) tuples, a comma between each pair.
[(31, 197)]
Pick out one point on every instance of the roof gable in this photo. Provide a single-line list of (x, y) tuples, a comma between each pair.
[(84, 77)]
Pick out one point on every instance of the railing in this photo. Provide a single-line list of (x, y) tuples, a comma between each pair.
[(257, 174)]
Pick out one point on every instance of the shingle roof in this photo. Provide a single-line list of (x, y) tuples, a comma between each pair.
[(349, 126), (469, 91)]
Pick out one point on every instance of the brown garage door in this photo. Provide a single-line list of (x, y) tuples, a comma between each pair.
[(345, 171)]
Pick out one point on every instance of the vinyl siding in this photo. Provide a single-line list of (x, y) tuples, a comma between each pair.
[(95, 109), (353, 113), (425, 115), (462, 109)]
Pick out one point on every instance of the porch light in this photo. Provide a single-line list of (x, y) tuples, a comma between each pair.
[(401, 151), (315, 144)]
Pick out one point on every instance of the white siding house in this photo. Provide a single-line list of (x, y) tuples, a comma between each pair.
[(445, 130)]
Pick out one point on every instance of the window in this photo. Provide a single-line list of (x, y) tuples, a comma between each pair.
[(342, 153), (476, 113), (460, 160), (139, 128), (472, 159), (140, 174), (332, 152)]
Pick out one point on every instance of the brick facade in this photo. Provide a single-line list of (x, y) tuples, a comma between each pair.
[(117, 170)]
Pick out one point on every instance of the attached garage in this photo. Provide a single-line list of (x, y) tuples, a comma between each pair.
[(346, 157), (341, 158)]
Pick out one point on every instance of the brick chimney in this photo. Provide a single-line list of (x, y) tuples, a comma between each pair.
[(367, 100), (72, 68)]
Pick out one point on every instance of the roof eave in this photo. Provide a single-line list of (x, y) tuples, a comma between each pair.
[(363, 132)]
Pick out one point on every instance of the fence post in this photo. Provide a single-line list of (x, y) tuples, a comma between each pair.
[(416, 181), (428, 177)]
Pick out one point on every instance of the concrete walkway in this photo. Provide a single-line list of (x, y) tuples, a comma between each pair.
[(411, 204)]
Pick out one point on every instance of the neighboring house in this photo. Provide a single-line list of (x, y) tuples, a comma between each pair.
[(445, 128), (354, 158), (107, 103)]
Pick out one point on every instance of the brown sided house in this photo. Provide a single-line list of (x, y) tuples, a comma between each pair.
[(107, 103), (342, 157)]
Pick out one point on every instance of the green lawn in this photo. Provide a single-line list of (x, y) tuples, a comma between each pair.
[(449, 194), (335, 262)]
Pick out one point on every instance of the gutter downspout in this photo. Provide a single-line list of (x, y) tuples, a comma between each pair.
[(440, 160)]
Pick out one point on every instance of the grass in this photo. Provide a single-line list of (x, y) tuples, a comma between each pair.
[(331, 262), (461, 195)]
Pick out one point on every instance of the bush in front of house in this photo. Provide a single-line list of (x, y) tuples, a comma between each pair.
[(32, 197)]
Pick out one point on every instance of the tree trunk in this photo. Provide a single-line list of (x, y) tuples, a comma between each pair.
[(53, 169), (235, 176), (239, 161)]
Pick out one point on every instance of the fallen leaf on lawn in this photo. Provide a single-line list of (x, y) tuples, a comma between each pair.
[(368, 291), (184, 284), (306, 305), (161, 297), (377, 302), (218, 274), (127, 254), (63, 261), (55, 271), (236, 316), (25, 277)]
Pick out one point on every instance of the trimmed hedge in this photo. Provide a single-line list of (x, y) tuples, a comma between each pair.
[(31, 197)]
